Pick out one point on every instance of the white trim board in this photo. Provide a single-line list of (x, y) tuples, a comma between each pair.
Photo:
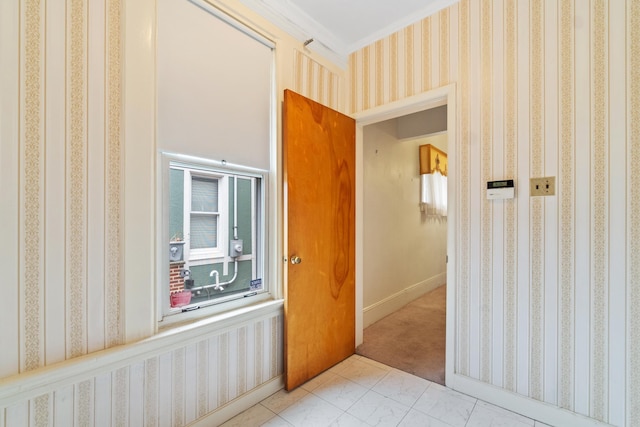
[(534, 409), (392, 303), (240, 404)]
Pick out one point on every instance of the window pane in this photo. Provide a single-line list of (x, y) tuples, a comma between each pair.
[(204, 194), (204, 231), (209, 225)]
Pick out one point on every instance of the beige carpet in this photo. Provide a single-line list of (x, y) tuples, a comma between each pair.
[(412, 339)]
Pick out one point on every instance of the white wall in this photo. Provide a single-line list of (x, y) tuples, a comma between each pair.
[(404, 250)]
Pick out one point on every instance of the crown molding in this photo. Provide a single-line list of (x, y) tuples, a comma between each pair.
[(302, 27), (432, 7)]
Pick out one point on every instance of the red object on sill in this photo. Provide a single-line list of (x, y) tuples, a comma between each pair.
[(178, 299)]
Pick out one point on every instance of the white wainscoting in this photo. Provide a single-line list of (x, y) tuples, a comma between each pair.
[(202, 373)]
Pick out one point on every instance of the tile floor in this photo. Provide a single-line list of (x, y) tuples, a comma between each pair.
[(363, 392)]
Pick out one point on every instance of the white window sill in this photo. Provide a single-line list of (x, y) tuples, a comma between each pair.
[(213, 314)]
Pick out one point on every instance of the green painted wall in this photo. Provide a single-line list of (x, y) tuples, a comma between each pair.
[(244, 214), (201, 277), (176, 203)]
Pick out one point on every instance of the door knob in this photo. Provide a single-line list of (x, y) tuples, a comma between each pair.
[(296, 260)]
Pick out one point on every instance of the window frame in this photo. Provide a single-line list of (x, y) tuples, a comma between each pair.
[(167, 315), (219, 251)]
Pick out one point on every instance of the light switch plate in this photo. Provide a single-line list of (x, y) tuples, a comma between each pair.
[(545, 186)]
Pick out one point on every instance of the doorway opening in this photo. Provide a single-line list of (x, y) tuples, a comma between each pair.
[(402, 270)]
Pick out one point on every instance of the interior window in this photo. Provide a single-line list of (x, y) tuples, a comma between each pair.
[(215, 227), (204, 213), (215, 100)]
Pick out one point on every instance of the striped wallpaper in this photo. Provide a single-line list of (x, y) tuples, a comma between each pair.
[(547, 288), (61, 149), (632, 260), (317, 82), (62, 170), (548, 298), (66, 248)]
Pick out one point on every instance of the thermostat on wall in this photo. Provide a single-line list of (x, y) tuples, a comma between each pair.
[(500, 189)]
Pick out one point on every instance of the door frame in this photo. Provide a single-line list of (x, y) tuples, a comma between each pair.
[(424, 101)]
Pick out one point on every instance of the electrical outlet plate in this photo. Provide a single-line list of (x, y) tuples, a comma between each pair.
[(545, 186)]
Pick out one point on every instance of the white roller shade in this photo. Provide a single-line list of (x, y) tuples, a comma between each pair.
[(214, 86)]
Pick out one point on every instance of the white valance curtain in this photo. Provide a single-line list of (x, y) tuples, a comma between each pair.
[(433, 194)]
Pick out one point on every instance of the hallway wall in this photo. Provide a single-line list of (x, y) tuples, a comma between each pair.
[(547, 289), (404, 249)]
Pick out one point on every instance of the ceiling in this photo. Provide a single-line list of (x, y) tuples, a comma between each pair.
[(336, 28)]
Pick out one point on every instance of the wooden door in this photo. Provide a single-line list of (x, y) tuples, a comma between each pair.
[(319, 163)]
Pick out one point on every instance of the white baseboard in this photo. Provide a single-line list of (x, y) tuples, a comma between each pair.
[(534, 409), (240, 404), (385, 307)]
